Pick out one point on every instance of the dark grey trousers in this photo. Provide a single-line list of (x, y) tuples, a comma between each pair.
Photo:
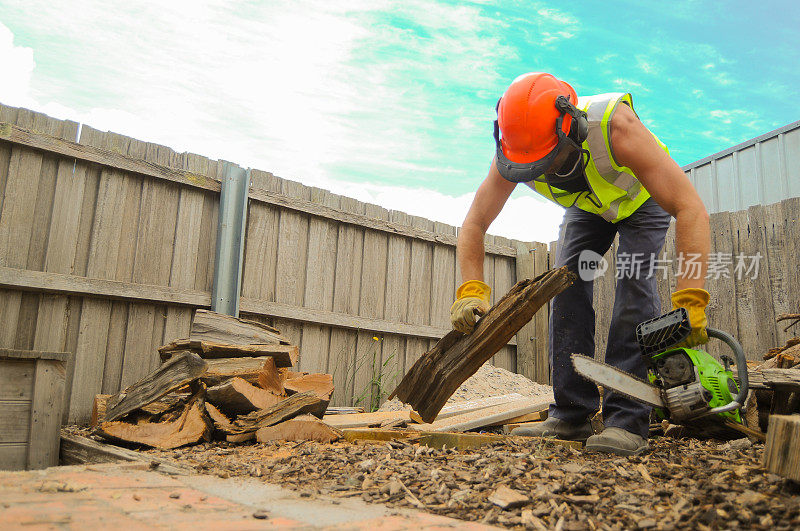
[(572, 319)]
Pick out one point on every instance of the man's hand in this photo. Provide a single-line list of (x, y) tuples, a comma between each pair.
[(695, 302), (472, 298)]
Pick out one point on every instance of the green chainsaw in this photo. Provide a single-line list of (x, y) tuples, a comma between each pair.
[(687, 386)]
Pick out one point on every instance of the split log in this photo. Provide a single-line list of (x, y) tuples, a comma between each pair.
[(272, 379), (297, 404), (788, 379), (456, 357), (220, 420), (321, 384), (782, 450), (192, 426), (238, 397), (301, 428), (99, 410), (175, 373), (222, 369), (285, 355), (219, 328)]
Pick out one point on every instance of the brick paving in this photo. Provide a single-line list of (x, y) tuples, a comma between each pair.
[(131, 496)]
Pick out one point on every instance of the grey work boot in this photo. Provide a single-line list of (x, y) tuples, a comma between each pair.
[(617, 441), (556, 429)]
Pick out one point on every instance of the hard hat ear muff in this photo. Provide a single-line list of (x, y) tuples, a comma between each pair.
[(580, 124)]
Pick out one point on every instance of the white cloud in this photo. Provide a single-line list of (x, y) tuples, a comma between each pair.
[(289, 97), (18, 64)]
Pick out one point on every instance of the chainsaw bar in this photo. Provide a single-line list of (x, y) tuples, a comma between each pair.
[(619, 381)]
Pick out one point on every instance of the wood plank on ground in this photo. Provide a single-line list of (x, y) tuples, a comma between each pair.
[(365, 420), (456, 357), (78, 450), (486, 417), (458, 408)]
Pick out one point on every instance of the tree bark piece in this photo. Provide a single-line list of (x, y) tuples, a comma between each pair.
[(285, 355), (219, 328), (321, 384), (456, 357), (507, 498), (192, 426), (301, 428), (782, 450), (297, 404), (178, 371), (238, 397), (272, 379)]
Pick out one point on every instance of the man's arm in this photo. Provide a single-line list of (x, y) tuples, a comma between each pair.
[(487, 204), (636, 148)]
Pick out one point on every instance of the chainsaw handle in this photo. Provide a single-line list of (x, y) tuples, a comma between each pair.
[(741, 369)]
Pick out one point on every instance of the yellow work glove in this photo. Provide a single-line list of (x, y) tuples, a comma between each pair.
[(695, 301), (471, 297)]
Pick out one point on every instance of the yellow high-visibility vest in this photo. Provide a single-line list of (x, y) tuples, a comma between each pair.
[(615, 187)]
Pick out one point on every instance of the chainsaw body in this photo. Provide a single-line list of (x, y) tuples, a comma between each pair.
[(694, 384)]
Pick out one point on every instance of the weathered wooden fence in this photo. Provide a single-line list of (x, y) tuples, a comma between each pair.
[(107, 246), (755, 279)]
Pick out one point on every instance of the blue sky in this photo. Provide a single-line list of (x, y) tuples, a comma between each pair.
[(392, 101)]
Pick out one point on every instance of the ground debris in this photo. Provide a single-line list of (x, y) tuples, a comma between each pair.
[(692, 484)]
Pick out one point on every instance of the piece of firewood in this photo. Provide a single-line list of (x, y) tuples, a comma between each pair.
[(238, 397), (165, 403), (300, 428), (456, 357), (297, 404), (221, 421), (177, 372), (285, 355), (322, 384), (220, 328), (222, 369), (99, 410), (272, 379), (786, 379), (192, 426), (782, 449)]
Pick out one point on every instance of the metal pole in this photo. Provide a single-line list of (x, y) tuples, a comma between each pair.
[(230, 240)]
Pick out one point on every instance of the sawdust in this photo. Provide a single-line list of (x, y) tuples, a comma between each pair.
[(488, 381)]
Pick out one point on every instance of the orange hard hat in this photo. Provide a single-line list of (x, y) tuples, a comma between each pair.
[(527, 116)]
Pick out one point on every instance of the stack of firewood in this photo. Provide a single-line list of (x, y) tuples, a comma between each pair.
[(229, 380)]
